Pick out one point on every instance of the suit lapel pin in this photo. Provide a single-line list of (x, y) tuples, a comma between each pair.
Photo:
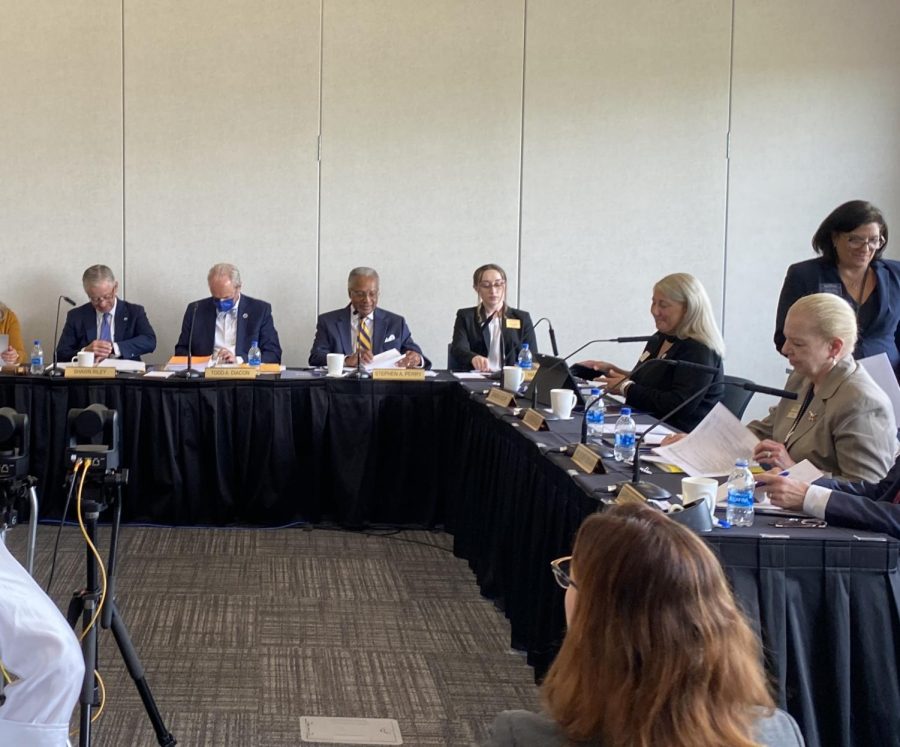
[(246, 315), (811, 417)]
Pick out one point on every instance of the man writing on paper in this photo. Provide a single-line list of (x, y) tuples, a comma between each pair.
[(227, 322), (871, 506), (107, 326), (361, 330)]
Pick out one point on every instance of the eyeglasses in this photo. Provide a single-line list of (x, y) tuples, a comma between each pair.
[(102, 299), (560, 568), (858, 242), (487, 285), (364, 294)]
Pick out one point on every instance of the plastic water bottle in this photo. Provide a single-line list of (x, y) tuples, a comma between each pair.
[(525, 358), (596, 415), (625, 429), (739, 512), (254, 355), (37, 358)]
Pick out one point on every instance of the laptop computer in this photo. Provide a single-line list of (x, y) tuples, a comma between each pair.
[(553, 373)]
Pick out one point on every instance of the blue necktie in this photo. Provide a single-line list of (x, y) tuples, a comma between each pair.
[(104, 328)]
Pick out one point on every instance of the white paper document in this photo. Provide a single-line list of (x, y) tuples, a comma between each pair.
[(117, 363), (711, 449), (880, 369), (387, 359), (464, 375)]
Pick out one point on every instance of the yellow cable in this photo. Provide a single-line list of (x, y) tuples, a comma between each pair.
[(96, 554), (7, 677)]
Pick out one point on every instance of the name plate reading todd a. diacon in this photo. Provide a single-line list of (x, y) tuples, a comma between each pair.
[(501, 397), (230, 373), (89, 372), (399, 374), (588, 460), (534, 420)]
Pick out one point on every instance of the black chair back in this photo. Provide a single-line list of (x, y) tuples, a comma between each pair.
[(735, 398)]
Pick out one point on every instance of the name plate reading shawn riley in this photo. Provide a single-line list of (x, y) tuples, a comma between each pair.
[(230, 373), (399, 374), (588, 460), (501, 397), (534, 420), (89, 372)]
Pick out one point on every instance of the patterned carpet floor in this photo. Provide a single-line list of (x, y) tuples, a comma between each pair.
[(243, 631)]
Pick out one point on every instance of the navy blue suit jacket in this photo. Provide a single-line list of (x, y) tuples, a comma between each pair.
[(134, 335), (819, 275), (389, 332), (254, 323), (865, 505)]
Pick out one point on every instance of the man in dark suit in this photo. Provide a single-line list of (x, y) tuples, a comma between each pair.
[(227, 322), (107, 326), (870, 506), (362, 329)]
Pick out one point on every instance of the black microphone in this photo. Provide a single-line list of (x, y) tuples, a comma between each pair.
[(651, 490), (189, 372), (360, 372), (55, 371), (551, 332)]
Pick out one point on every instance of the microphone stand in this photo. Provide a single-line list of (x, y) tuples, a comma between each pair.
[(189, 372), (360, 373), (551, 332), (56, 372)]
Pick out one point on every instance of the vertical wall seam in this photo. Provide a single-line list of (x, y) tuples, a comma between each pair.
[(728, 167), (124, 224), (521, 158), (318, 293)]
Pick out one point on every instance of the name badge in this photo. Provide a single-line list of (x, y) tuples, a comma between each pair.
[(644, 356), (793, 412), (513, 323)]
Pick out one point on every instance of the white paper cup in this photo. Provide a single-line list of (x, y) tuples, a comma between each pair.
[(561, 402), (84, 358), (335, 364), (694, 488), (512, 378)]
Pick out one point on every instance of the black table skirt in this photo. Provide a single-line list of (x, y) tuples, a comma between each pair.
[(826, 604)]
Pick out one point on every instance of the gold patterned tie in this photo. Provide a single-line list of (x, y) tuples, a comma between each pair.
[(365, 336)]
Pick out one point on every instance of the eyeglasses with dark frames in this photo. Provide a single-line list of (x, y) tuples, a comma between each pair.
[(858, 242), (561, 573)]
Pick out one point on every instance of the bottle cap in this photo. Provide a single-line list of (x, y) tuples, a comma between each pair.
[(741, 463), (255, 343), (37, 342), (524, 346), (595, 392), (626, 411)]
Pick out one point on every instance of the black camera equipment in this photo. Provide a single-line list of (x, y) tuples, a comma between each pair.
[(15, 482), (93, 457)]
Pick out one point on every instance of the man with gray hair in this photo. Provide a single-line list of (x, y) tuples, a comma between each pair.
[(227, 322), (107, 326), (361, 330)]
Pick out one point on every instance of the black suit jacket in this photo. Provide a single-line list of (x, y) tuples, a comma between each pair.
[(658, 388), (134, 335), (865, 505), (471, 338), (881, 334), (254, 323)]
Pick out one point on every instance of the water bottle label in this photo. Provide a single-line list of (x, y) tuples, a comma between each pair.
[(625, 440), (740, 498), (37, 361)]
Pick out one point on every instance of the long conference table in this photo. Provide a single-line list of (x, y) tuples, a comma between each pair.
[(826, 602)]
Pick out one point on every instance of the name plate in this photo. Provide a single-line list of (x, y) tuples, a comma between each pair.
[(399, 374), (629, 494), (89, 372), (534, 420), (587, 460), (230, 373), (501, 397)]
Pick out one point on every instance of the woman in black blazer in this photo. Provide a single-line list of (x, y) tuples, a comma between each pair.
[(490, 335), (851, 241)]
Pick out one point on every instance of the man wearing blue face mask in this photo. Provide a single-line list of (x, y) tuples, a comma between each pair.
[(227, 322)]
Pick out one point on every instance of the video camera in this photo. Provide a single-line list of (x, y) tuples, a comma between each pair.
[(93, 434), (14, 438)]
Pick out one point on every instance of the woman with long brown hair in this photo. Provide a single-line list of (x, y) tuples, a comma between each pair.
[(656, 652)]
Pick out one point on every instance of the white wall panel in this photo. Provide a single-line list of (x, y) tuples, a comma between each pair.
[(815, 112), (626, 114), (421, 103), (221, 115), (60, 152)]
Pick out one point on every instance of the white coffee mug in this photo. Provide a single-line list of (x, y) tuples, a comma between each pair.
[(561, 402), (694, 488), (512, 378), (84, 358), (335, 364)]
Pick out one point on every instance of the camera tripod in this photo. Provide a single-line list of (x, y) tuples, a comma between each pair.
[(103, 490), (13, 490)]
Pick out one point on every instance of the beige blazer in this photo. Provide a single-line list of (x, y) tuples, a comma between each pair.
[(848, 429)]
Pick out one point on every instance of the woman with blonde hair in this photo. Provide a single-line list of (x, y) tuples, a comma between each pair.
[(656, 651), (9, 325), (686, 330)]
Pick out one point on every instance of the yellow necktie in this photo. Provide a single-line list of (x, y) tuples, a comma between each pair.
[(365, 337)]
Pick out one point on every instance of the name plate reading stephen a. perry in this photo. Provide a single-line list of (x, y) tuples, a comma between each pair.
[(89, 372), (230, 373), (399, 374)]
